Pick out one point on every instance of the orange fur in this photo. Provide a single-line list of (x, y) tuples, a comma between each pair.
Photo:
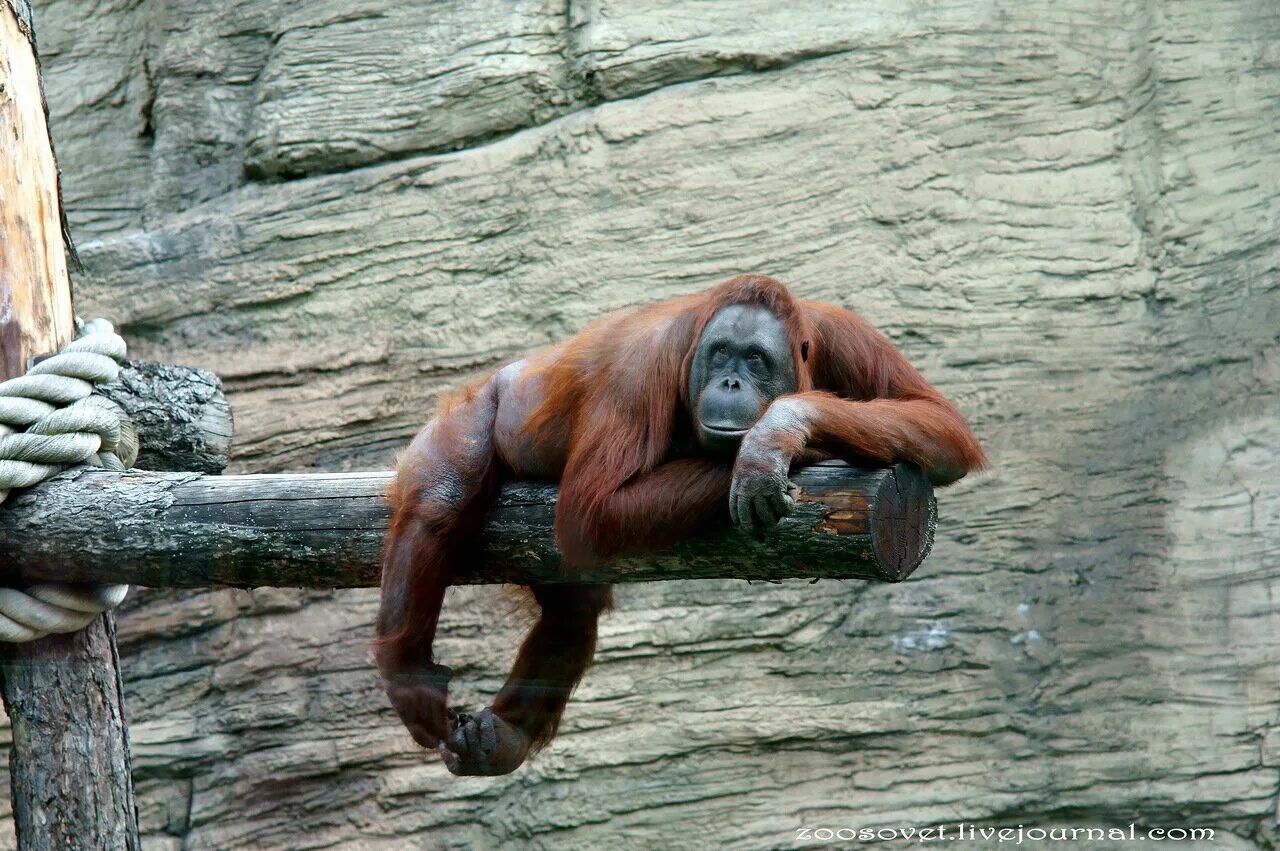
[(616, 396)]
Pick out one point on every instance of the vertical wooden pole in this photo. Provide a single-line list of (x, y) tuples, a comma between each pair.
[(69, 765)]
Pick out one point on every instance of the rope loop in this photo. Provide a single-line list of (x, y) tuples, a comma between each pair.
[(50, 420)]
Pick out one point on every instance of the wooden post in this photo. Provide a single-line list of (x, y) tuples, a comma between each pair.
[(69, 764)]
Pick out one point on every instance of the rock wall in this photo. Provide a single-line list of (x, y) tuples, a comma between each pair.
[(1066, 213)]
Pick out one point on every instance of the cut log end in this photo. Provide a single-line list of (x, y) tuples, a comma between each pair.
[(898, 515), (905, 518), (183, 419)]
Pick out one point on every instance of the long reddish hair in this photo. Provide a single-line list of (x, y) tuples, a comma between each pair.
[(619, 388), (648, 351), (616, 399)]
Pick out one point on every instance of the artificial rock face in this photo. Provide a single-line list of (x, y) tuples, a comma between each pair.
[(1064, 213)]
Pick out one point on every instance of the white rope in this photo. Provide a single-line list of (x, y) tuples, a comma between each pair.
[(49, 420)]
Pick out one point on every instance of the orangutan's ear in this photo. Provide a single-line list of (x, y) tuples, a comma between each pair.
[(804, 351)]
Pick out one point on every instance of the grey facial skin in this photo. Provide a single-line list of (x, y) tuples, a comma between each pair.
[(742, 363)]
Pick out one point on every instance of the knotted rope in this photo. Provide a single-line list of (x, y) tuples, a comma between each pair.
[(49, 420)]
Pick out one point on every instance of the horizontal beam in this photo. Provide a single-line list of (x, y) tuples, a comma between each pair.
[(325, 531)]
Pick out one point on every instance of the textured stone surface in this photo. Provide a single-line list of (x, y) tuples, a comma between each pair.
[(1065, 212)]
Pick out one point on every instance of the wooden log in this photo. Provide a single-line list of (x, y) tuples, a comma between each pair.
[(35, 294), (69, 763), (325, 531), (182, 417)]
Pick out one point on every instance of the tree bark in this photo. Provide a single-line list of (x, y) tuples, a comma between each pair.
[(326, 530), (182, 417), (35, 295), (69, 763)]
